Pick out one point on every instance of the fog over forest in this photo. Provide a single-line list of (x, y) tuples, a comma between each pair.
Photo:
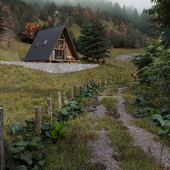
[(130, 5)]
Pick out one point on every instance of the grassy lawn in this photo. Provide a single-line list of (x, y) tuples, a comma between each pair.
[(22, 88)]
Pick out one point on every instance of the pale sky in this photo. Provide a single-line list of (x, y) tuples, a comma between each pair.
[(138, 4)]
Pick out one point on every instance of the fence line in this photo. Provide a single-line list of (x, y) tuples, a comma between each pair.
[(38, 114)]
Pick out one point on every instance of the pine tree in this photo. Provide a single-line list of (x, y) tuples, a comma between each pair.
[(130, 36), (99, 46), (84, 39)]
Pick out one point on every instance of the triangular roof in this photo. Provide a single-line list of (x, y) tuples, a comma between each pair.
[(52, 35)]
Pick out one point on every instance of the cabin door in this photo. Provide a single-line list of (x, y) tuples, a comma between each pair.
[(64, 54), (53, 54)]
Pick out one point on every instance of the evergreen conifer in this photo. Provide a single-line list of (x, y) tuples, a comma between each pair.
[(98, 48), (84, 39)]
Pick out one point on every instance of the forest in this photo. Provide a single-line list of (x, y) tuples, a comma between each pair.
[(130, 27)]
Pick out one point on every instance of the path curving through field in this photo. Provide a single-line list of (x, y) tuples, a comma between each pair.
[(143, 138)]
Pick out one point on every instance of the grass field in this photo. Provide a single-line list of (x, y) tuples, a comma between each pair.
[(41, 22), (22, 88), (76, 30), (111, 25)]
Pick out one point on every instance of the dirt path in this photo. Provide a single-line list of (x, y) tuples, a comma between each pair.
[(143, 138), (103, 153)]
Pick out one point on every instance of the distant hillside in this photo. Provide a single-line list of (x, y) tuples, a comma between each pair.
[(41, 22), (76, 30), (111, 25)]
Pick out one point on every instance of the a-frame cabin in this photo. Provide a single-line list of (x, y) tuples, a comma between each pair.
[(53, 45)]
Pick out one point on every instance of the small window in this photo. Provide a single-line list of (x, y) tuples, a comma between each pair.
[(36, 45), (45, 42)]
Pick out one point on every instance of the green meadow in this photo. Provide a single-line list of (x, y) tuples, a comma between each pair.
[(22, 88)]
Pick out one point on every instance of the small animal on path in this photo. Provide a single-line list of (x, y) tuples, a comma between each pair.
[(133, 75)]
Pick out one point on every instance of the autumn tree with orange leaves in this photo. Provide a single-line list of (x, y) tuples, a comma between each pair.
[(30, 31), (88, 12), (8, 26), (50, 22), (122, 28), (109, 30)]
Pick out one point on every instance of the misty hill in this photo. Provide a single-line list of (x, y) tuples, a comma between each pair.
[(116, 19)]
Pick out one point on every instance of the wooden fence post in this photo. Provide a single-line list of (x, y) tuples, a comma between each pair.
[(65, 98), (117, 79), (81, 90), (100, 84), (88, 82), (2, 142), (72, 95), (59, 101), (105, 82), (110, 80), (93, 82), (85, 86), (37, 120), (75, 92), (49, 110)]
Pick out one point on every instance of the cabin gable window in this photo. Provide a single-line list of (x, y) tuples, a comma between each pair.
[(36, 45), (45, 42)]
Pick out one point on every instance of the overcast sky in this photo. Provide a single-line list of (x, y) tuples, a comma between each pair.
[(138, 4)]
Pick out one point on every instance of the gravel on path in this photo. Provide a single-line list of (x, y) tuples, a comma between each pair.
[(53, 67), (126, 56), (143, 138), (102, 151)]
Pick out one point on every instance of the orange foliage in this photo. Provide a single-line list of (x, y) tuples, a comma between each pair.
[(109, 30), (144, 36), (122, 28), (30, 30), (50, 21), (89, 12), (130, 25), (77, 13), (137, 31), (75, 8), (5, 8)]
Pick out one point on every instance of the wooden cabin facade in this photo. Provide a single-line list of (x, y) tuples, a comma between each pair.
[(53, 45)]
